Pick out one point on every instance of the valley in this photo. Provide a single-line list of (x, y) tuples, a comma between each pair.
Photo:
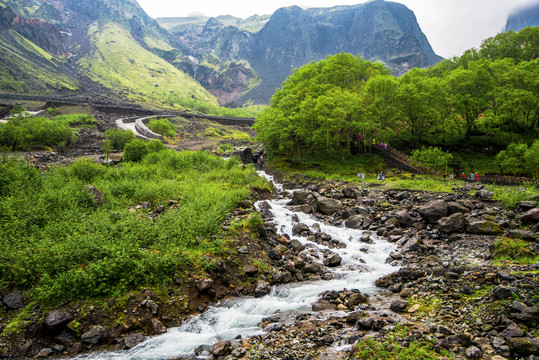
[(316, 183)]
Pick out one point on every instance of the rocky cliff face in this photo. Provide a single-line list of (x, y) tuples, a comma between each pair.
[(523, 17), (378, 30)]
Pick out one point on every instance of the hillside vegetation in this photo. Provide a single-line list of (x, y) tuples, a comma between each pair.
[(61, 242), (117, 61)]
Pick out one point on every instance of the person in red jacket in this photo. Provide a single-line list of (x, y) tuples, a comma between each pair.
[(476, 176)]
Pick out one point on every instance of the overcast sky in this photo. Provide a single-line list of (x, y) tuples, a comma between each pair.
[(452, 26)]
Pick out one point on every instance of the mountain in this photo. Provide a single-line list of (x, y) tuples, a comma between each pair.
[(253, 57), (523, 17), (92, 48)]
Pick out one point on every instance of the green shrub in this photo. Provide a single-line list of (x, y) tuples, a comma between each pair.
[(513, 249), (119, 137), (135, 150), (162, 127), (86, 170), (34, 133), (155, 146), (433, 157)]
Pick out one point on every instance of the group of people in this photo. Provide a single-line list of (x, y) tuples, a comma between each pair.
[(472, 176), (372, 142)]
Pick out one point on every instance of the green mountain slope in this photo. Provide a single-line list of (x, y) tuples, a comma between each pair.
[(26, 68), (119, 62)]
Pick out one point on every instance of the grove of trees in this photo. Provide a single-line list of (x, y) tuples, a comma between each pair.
[(487, 97)]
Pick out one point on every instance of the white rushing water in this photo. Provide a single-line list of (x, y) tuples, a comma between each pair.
[(361, 265)]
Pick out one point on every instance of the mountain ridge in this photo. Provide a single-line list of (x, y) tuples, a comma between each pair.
[(378, 30)]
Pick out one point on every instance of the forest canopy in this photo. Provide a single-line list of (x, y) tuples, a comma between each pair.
[(487, 97)]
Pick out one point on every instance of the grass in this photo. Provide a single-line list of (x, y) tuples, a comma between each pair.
[(60, 244), (320, 168), (392, 348), (509, 196), (515, 251)]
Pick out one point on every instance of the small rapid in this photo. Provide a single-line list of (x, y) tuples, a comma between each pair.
[(361, 265)]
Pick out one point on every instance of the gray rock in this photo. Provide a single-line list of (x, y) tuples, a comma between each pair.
[(522, 234), (357, 298), (300, 228), (410, 246), (453, 223), (474, 353), (433, 210), (323, 305), (530, 217), (483, 194), (222, 348), (404, 218), (57, 319), (205, 285), (243, 250), (282, 277), (527, 204), (333, 260), (513, 330), (96, 194), (133, 340), (95, 335), (250, 270), (524, 345), (459, 339), (306, 209), (482, 227), (43, 353), (502, 292), (328, 206), (455, 207), (13, 300), (297, 245), (262, 288), (398, 305), (354, 222), (312, 268), (156, 327)]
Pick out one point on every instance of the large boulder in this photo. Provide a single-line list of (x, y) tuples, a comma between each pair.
[(433, 210), (328, 206), (301, 197), (13, 300), (95, 335), (456, 207), (483, 227), (57, 319), (262, 288), (404, 218), (530, 216), (221, 348), (453, 223), (354, 222)]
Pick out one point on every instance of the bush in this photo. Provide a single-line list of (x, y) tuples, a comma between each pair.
[(162, 127), (155, 146), (119, 137), (433, 157), (33, 133), (135, 150)]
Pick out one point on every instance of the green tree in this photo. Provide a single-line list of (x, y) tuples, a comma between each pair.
[(511, 161), (107, 148), (119, 137), (317, 108), (531, 157)]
